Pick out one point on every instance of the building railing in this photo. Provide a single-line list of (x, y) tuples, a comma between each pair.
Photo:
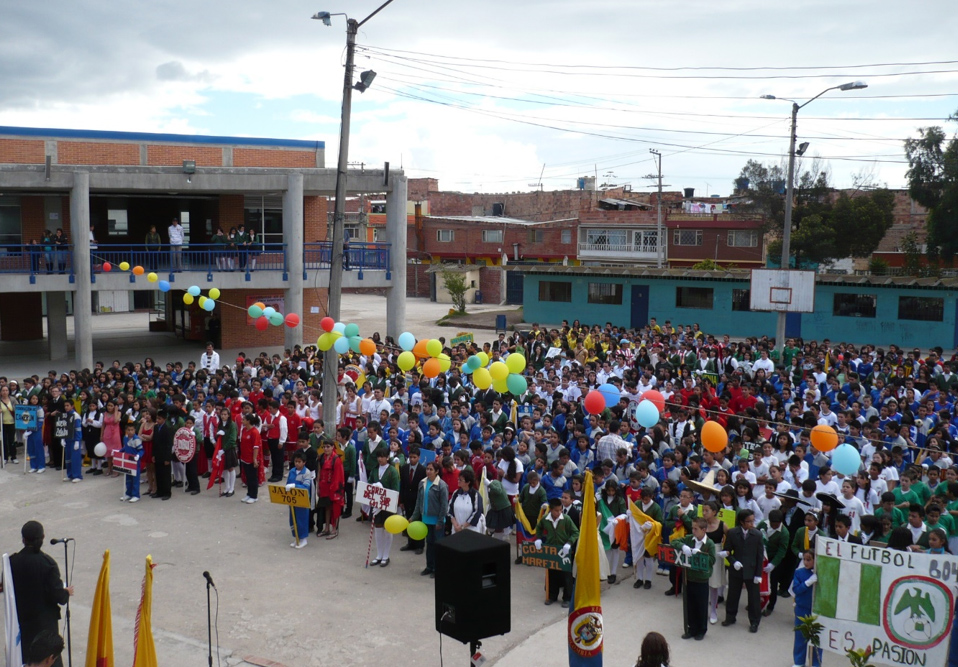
[(624, 248), (37, 259), (360, 256), (205, 257)]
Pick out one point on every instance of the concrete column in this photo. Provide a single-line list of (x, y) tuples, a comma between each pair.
[(396, 231), (83, 298), (57, 325), (293, 236)]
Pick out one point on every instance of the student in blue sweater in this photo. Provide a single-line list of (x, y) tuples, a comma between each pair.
[(802, 585)]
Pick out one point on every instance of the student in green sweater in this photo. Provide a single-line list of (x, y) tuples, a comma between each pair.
[(532, 498), (776, 539), (344, 443), (905, 495), (228, 438), (697, 588), (387, 476), (888, 507), (556, 529)]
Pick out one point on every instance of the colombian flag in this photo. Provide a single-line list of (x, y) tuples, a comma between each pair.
[(144, 652), (525, 532), (99, 648), (585, 612)]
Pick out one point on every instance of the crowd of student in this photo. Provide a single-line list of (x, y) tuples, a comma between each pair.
[(465, 458)]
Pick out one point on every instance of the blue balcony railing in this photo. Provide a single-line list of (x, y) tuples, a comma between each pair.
[(34, 260), (360, 256), (204, 257)]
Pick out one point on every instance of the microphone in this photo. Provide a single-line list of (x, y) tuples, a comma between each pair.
[(209, 579), (63, 541)]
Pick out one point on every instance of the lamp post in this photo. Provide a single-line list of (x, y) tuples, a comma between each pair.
[(335, 298), (787, 232)]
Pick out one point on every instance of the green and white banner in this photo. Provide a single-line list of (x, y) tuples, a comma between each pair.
[(900, 603)]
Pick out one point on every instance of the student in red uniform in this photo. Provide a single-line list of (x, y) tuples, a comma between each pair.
[(275, 430), (251, 456)]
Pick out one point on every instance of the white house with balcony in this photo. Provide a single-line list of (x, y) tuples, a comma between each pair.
[(636, 245)]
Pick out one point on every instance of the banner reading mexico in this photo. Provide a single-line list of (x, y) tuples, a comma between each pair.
[(899, 603)]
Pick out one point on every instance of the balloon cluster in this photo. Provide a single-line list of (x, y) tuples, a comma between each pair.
[(266, 315), (162, 285), (207, 303), (343, 337), (435, 361)]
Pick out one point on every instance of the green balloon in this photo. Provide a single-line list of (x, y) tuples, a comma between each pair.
[(351, 330), (517, 384), (277, 319), (417, 530), (354, 342)]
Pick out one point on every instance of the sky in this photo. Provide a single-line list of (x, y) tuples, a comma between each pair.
[(503, 96)]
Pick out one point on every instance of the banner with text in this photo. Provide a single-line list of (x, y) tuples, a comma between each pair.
[(547, 557), (377, 497), (899, 603), (295, 497)]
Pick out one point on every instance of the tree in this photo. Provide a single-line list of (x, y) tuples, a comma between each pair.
[(933, 183), (455, 284)]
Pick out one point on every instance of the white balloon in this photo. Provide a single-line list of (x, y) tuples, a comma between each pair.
[(100, 449)]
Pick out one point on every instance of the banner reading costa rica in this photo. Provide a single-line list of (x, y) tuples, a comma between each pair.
[(899, 603)]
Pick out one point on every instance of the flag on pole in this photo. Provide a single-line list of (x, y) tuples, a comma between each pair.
[(643, 540), (99, 648), (525, 531), (860, 586), (585, 612), (11, 620), (217, 468), (144, 652)]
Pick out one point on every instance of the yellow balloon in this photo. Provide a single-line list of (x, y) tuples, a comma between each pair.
[(396, 524), (124, 266), (187, 299), (406, 361), (214, 293), (499, 371), (502, 386), (516, 363), (481, 378), (152, 277), (484, 358), (434, 347), (445, 363), (202, 301)]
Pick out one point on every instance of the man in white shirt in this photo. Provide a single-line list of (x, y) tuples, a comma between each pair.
[(175, 232), (210, 360), (377, 404), (765, 364)]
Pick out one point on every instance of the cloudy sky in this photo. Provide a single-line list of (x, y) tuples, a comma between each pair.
[(483, 95)]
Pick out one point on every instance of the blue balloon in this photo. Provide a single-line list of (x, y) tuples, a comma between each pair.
[(268, 311), (610, 393), (194, 290), (407, 341), (339, 327), (164, 286), (209, 305), (647, 414), (341, 345), (846, 460)]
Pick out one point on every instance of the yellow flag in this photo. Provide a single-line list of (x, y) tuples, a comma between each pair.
[(99, 648), (144, 652), (585, 612)]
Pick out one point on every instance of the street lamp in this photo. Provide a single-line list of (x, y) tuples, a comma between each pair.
[(335, 299), (787, 232)]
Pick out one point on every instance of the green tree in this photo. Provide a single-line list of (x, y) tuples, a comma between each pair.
[(933, 183), (455, 284)]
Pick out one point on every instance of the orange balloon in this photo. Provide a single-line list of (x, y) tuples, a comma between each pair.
[(824, 438), (138, 270), (367, 346), (420, 349), (431, 368), (714, 437), (260, 305)]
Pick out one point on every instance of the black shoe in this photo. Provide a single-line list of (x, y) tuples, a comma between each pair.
[(384, 562), (753, 628), (518, 560), (727, 622), (687, 635), (418, 552), (638, 583), (194, 493), (165, 497), (565, 604), (432, 575), (154, 495), (700, 637), (345, 515), (721, 599), (359, 519), (206, 475), (648, 585), (767, 612), (425, 572), (670, 592), (230, 494), (785, 595), (550, 601), (407, 547)]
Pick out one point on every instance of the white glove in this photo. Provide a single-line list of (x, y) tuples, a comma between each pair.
[(564, 551), (768, 568), (696, 550), (622, 517), (379, 484), (721, 554), (137, 458), (687, 550), (757, 580), (811, 580), (737, 565), (647, 526), (220, 455), (290, 487), (76, 446), (538, 545), (221, 432)]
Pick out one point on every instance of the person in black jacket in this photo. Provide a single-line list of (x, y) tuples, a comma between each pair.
[(745, 554), (163, 455), (411, 475), (40, 591)]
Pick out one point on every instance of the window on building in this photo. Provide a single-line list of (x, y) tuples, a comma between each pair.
[(10, 229), (185, 223), (117, 223), (922, 308), (847, 304), (742, 238), (352, 232), (379, 235), (536, 236), (566, 236), (551, 290), (608, 238), (606, 293), (445, 235), (264, 215), (687, 237), (646, 241), (492, 236), (694, 297), (741, 299)]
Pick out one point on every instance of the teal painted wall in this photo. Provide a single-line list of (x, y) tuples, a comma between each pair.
[(883, 329)]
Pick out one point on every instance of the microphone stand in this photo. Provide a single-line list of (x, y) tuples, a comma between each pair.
[(209, 621), (66, 565)]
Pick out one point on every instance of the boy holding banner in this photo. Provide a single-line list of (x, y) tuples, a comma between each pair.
[(73, 454), (132, 448), (696, 580)]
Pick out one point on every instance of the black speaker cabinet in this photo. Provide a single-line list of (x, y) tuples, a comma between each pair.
[(473, 587)]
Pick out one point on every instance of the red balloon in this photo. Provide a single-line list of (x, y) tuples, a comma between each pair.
[(594, 402), (262, 323), (107, 267), (327, 324), (292, 320), (658, 400)]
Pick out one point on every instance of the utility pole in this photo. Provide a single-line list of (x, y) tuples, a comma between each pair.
[(787, 231), (659, 240)]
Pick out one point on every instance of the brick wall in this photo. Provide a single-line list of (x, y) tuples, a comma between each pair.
[(32, 223), (273, 157), (468, 243), (22, 151), (166, 155), (83, 152), (314, 219), (490, 279), (231, 212), (419, 189), (414, 273), (21, 316), (238, 334)]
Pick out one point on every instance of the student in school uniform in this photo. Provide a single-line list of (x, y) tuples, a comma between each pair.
[(777, 541), (697, 589), (300, 477), (387, 476), (557, 530), (132, 446), (803, 584)]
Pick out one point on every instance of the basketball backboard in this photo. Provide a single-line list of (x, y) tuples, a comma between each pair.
[(782, 291)]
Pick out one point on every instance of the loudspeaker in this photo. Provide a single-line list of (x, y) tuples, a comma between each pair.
[(473, 587)]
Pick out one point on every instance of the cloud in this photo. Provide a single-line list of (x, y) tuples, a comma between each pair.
[(176, 71)]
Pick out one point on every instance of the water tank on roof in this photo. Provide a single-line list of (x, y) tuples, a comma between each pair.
[(498, 209), (689, 193), (741, 184)]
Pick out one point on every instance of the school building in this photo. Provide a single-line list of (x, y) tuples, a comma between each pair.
[(913, 312), (105, 190)]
